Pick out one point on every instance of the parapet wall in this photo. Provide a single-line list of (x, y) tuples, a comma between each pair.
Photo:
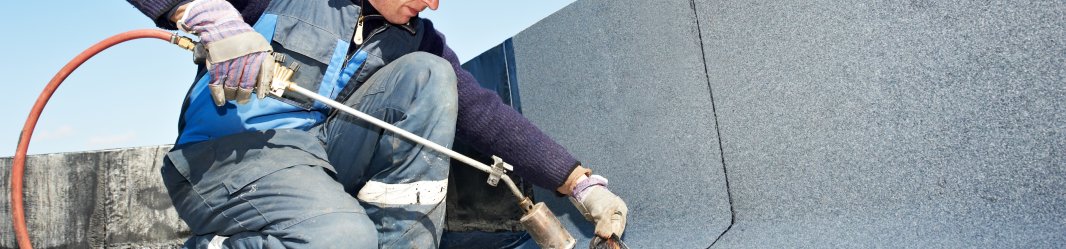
[(96, 199)]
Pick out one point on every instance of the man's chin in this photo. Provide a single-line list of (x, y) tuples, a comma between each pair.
[(399, 21)]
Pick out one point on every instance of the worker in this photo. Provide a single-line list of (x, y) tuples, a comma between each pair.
[(255, 171)]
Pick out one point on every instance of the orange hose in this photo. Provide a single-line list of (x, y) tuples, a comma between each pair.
[(17, 169)]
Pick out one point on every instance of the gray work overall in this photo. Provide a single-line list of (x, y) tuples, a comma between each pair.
[(334, 182)]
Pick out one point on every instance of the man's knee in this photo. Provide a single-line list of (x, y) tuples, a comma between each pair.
[(436, 79), (333, 230), (428, 68)]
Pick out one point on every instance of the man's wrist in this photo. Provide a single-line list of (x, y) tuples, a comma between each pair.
[(179, 11), (572, 180)]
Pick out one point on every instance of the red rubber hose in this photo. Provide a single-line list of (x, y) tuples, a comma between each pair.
[(18, 214)]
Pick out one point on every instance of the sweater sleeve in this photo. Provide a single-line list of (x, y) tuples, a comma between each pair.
[(157, 10), (494, 128)]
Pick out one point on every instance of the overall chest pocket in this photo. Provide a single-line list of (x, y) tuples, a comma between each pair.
[(315, 49)]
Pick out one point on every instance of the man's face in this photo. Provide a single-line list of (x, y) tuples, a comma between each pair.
[(401, 11)]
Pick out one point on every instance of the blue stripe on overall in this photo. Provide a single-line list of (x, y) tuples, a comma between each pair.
[(203, 120)]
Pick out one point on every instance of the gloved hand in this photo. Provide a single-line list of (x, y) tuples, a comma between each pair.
[(600, 206), (238, 58)]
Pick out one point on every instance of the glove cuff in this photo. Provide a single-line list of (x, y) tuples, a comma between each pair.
[(580, 190), (236, 46), (212, 20), (566, 188)]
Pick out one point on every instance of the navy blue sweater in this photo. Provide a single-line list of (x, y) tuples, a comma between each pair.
[(484, 121)]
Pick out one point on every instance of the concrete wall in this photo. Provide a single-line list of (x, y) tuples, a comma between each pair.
[(110, 198)]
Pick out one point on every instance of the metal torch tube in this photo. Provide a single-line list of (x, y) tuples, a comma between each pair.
[(403, 133)]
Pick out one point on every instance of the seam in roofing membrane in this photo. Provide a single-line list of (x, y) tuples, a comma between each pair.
[(718, 132)]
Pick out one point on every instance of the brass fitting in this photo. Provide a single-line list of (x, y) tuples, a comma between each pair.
[(182, 41), (282, 77)]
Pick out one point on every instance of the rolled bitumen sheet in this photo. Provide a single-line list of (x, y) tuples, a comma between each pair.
[(891, 124), (875, 124), (622, 85)]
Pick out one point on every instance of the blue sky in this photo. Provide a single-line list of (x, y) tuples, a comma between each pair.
[(131, 94)]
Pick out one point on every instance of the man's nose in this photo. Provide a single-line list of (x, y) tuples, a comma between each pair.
[(432, 4)]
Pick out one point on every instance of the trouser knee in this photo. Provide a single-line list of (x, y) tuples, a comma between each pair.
[(435, 77), (334, 230)]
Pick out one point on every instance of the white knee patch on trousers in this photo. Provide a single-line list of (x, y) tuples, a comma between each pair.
[(421, 192), (216, 242)]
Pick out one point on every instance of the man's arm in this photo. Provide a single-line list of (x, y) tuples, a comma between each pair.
[(497, 129), (157, 10), (488, 124)]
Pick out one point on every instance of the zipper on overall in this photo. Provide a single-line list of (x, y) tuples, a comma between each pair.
[(359, 40)]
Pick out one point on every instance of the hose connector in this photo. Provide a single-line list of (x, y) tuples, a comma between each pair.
[(182, 41)]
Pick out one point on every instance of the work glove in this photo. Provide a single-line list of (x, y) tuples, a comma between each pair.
[(238, 58), (603, 208)]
